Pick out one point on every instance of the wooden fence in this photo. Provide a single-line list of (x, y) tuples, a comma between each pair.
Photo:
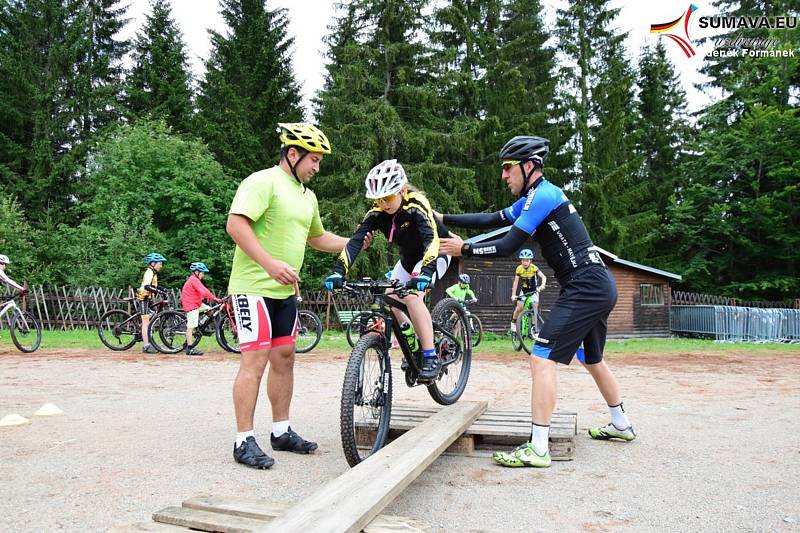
[(68, 308), (694, 298)]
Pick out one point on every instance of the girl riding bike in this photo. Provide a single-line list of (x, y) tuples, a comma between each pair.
[(404, 216)]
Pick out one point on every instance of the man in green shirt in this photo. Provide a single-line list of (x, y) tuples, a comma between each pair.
[(461, 291), (272, 217)]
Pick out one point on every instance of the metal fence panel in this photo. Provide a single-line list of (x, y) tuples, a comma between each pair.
[(730, 323)]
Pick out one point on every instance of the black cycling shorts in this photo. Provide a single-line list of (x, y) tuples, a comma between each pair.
[(263, 322), (579, 317)]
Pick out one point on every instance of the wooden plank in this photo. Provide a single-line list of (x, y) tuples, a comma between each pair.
[(206, 521), (492, 430), (148, 526), (263, 510), (351, 501)]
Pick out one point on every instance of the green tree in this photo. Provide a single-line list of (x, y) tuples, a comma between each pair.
[(598, 91), (661, 134), (520, 97), (159, 84), (155, 191), (732, 223), (249, 87), (17, 239), (34, 68)]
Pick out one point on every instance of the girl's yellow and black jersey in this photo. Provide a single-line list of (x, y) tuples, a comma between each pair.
[(149, 284), (412, 228), (527, 277)]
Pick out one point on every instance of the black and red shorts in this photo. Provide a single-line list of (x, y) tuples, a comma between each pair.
[(264, 322)]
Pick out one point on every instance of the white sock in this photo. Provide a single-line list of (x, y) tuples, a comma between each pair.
[(242, 436), (618, 416), (539, 438), (279, 428)]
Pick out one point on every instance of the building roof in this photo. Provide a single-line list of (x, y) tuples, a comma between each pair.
[(496, 234)]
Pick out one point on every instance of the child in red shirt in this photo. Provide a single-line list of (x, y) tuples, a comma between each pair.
[(192, 295)]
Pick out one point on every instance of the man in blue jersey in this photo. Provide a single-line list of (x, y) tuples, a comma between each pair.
[(577, 322)]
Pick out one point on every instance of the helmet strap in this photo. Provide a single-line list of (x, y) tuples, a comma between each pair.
[(526, 185), (293, 167)]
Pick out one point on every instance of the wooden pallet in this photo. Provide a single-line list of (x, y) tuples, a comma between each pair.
[(239, 515), (493, 430)]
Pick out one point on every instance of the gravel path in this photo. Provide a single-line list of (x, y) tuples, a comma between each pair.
[(718, 449)]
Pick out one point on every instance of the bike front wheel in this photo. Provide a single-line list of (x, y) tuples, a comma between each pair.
[(26, 332), (227, 334), (118, 331), (366, 399), (309, 331), (529, 324), (476, 330), (452, 341), (167, 332)]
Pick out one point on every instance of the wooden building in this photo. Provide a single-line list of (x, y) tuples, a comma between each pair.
[(644, 293)]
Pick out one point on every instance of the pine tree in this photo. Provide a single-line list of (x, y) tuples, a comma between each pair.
[(598, 91), (662, 132), (249, 87), (520, 96), (34, 70), (379, 102), (159, 84)]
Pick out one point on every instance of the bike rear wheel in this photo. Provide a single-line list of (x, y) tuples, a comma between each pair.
[(366, 399), (362, 323), (167, 332), (309, 331), (476, 330), (452, 341), (26, 332), (118, 331), (227, 335), (529, 324)]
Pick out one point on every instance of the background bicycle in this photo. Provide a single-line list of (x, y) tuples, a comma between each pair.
[(168, 329), (475, 324), (25, 330), (367, 388), (119, 330), (529, 321)]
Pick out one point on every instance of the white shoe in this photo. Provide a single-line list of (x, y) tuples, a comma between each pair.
[(513, 327)]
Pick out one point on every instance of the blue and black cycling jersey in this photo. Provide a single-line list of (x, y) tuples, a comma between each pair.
[(546, 214)]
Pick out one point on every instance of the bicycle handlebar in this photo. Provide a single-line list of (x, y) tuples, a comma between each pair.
[(374, 286)]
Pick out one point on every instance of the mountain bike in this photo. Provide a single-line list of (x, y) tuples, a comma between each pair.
[(167, 330), (529, 321), (26, 331), (367, 388), (361, 323), (309, 331), (475, 324), (119, 330)]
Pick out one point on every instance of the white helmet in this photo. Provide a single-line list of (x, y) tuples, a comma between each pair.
[(4, 260), (386, 178)]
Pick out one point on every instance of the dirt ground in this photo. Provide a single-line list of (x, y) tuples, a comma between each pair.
[(718, 446)]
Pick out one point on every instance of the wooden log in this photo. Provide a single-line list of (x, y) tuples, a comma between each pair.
[(351, 501)]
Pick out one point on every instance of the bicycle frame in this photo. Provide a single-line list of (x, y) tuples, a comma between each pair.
[(11, 304), (381, 305)]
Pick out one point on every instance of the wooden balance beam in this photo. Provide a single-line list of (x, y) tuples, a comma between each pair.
[(349, 502)]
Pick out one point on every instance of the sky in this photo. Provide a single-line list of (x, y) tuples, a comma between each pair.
[(309, 20)]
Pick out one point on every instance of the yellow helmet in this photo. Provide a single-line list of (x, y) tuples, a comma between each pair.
[(305, 136)]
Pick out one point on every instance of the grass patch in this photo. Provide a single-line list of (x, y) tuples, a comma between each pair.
[(491, 343)]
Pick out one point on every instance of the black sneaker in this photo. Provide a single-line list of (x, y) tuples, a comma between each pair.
[(430, 368), (250, 454), (192, 351), (292, 442), (148, 349)]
